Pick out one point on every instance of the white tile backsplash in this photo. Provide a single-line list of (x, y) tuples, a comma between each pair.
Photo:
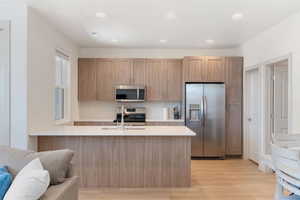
[(100, 110)]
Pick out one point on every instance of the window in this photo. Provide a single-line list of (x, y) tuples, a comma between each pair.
[(62, 85)]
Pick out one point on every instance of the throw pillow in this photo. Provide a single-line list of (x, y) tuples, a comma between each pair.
[(5, 181), (30, 183)]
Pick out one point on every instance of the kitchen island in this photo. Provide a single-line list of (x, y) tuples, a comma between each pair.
[(150, 156)]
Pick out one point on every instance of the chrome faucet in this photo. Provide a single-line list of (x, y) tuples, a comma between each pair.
[(122, 116)]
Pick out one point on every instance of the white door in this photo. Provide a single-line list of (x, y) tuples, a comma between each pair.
[(252, 92), (281, 98), (4, 83)]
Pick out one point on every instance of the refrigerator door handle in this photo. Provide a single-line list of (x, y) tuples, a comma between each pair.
[(204, 109)]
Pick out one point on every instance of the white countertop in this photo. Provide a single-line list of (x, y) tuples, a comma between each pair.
[(112, 131), (109, 120)]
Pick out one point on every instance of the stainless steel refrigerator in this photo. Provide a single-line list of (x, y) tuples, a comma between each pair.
[(205, 115)]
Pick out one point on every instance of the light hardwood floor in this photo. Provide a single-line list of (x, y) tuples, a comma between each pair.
[(211, 180)]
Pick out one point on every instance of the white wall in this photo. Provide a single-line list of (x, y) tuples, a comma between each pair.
[(280, 40), (16, 13), (43, 40), (154, 53)]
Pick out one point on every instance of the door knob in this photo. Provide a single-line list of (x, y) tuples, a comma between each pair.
[(249, 119)]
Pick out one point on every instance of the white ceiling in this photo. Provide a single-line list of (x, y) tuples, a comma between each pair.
[(143, 23)]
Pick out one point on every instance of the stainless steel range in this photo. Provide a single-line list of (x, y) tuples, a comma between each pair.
[(132, 116)]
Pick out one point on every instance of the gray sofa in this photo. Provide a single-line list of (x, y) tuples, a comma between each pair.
[(63, 185)]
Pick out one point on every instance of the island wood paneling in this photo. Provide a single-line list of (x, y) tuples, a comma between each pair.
[(126, 162)]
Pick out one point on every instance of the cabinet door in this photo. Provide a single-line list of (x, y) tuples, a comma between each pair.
[(174, 78), (122, 71), (105, 89), (214, 69), (234, 98), (138, 72), (234, 79), (194, 69), (156, 80), (87, 79)]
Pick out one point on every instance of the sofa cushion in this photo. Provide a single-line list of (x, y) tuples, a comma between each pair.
[(14, 159), (55, 162), (5, 181)]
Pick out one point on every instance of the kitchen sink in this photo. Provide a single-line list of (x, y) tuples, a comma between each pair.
[(135, 128), (126, 128), (111, 128)]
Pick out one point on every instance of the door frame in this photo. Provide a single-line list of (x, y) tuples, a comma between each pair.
[(247, 70), (290, 85), (8, 24), (265, 163)]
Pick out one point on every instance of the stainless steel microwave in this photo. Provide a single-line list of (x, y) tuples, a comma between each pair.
[(130, 93)]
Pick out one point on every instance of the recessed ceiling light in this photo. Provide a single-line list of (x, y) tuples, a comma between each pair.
[(94, 34), (171, 15), (101, 15), (163, 41), (115, 40), (237, 16), (209, 41)]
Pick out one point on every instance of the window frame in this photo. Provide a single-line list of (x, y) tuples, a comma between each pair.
[(65, 84)]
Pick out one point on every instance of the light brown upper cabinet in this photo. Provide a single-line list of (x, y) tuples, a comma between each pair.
[(105, 79), (204, 69), (156, 80), (174, 79), (193, 69), (138, 72), (122, 71), (234, 79), (87, 79), (215, 68)]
